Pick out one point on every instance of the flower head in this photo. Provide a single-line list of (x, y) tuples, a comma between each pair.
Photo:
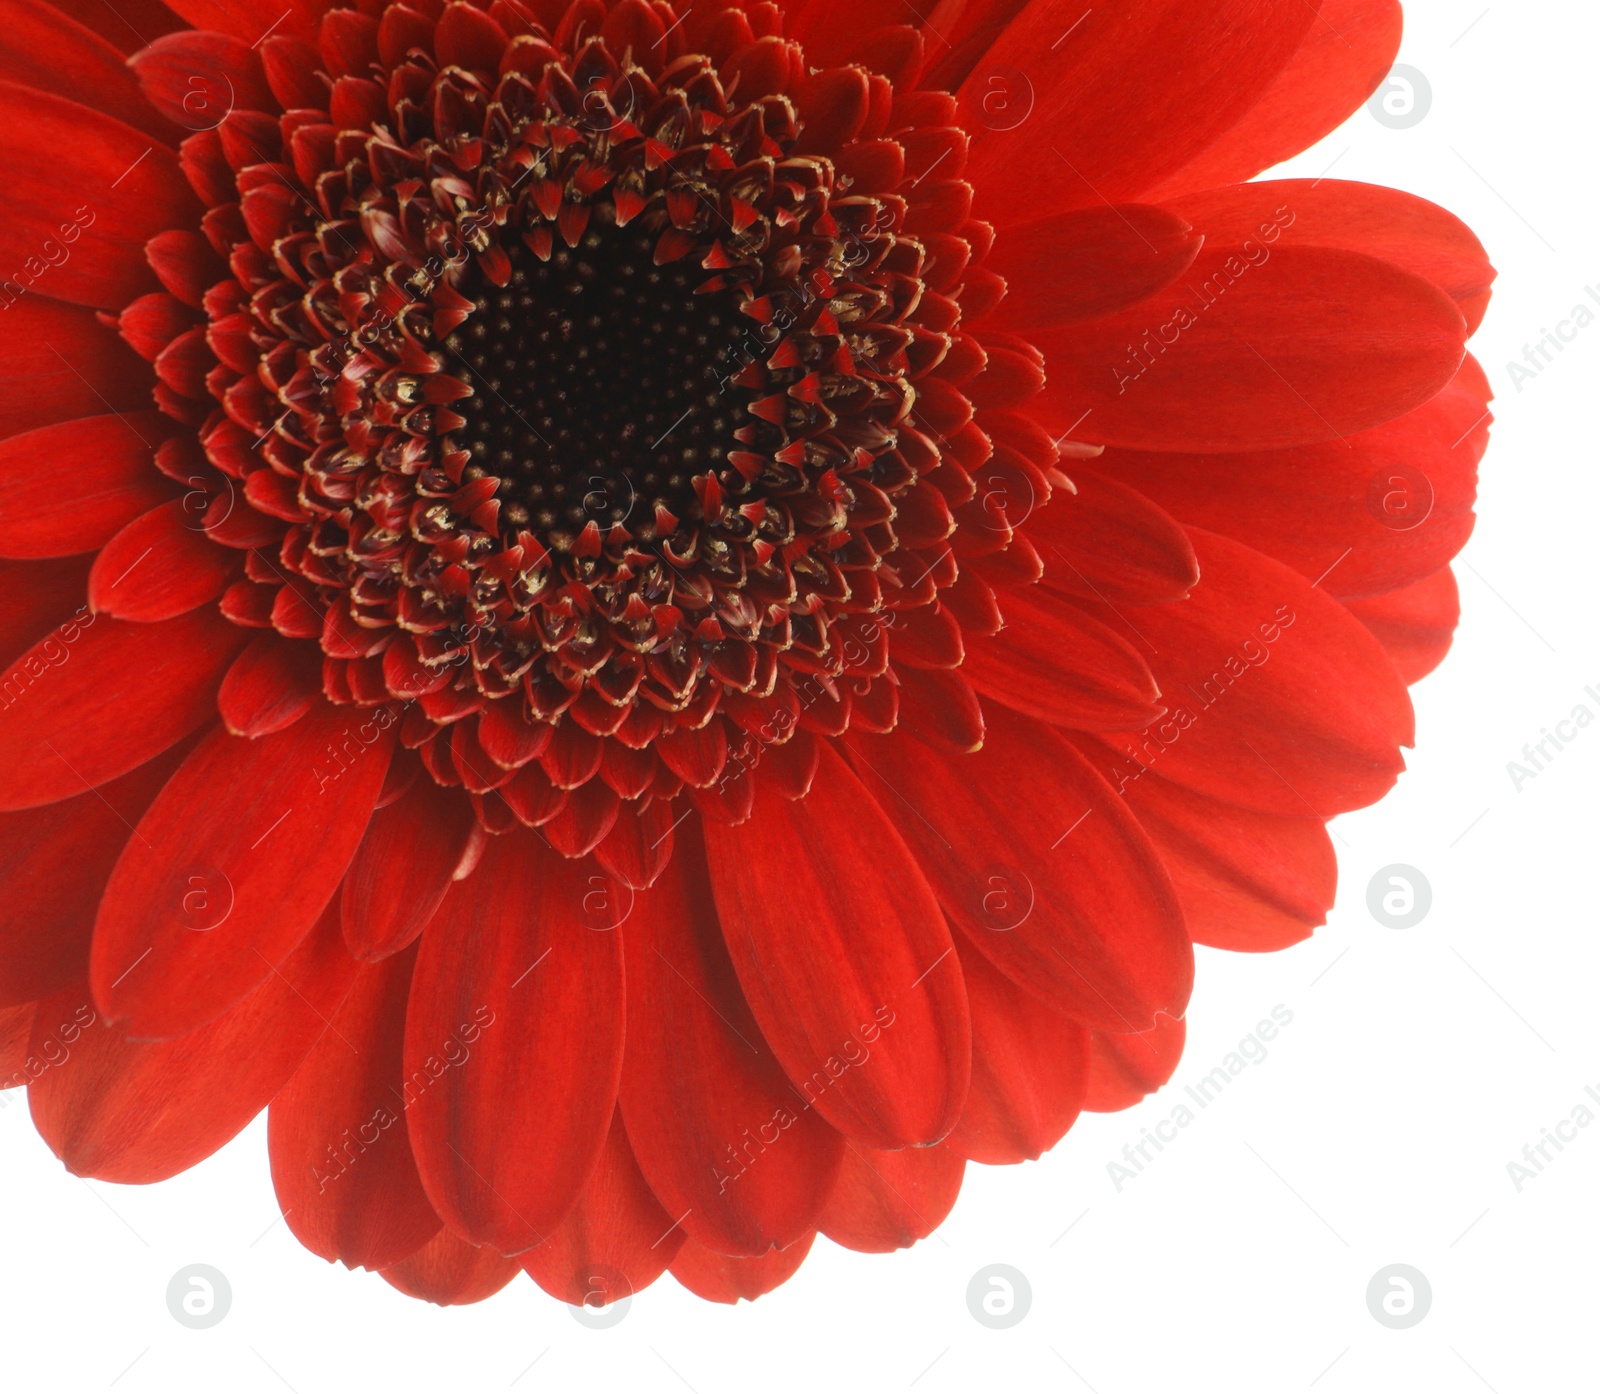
[(660, 625)]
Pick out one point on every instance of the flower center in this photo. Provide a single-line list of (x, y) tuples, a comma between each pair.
[(598, 385)]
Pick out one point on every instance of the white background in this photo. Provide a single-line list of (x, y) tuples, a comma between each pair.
[(1377, 1130)]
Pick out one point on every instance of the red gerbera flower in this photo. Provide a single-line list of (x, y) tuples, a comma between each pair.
[(661, 623)]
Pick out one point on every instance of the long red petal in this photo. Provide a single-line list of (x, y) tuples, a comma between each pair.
[(230, 867), (139, 1111), (1253, 348), (845, 960), (1030, 1070), (1246, 880), (1280, 700), (450, 1272), (401, 871), (885, 1201), (159, 566), (616, 1241), (97, 697), (719, 1278), (107, 458), (1414, 624), (54, 864), (341, 1158), (1042, 867), (1124, 1067), (517, 958), (1125, 99), (129, 189), (724, 1139), (1345, 55)]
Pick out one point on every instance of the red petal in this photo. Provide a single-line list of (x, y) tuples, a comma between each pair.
[(1344, 57), (718, 1278), (1256, 347), (1415, 624), (1368, 514), (1088, 262), (1030, 1068), (1280, 700), (1246, 880), (108, 460), (1121, 100), (617, 1240), (844, 958), (59, 363), (250, 20), (884, 1201), (450, 1272), (124, 189), (401, 871), (341, 1160), (38, 595), (158, 567), (723, 1137), (230, 867), (469, 38), (152, 322), (97, 697), (53, 870), (832, 105), (50, 51), (196, 80), (1044, 868), (137, 1111), (941, 708), (271, 685), (1409, 232), (1054, 662), (639, 846), (1124, 1068), (1110, 543), (16, 1026), (505, 1147), (131, 26)]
